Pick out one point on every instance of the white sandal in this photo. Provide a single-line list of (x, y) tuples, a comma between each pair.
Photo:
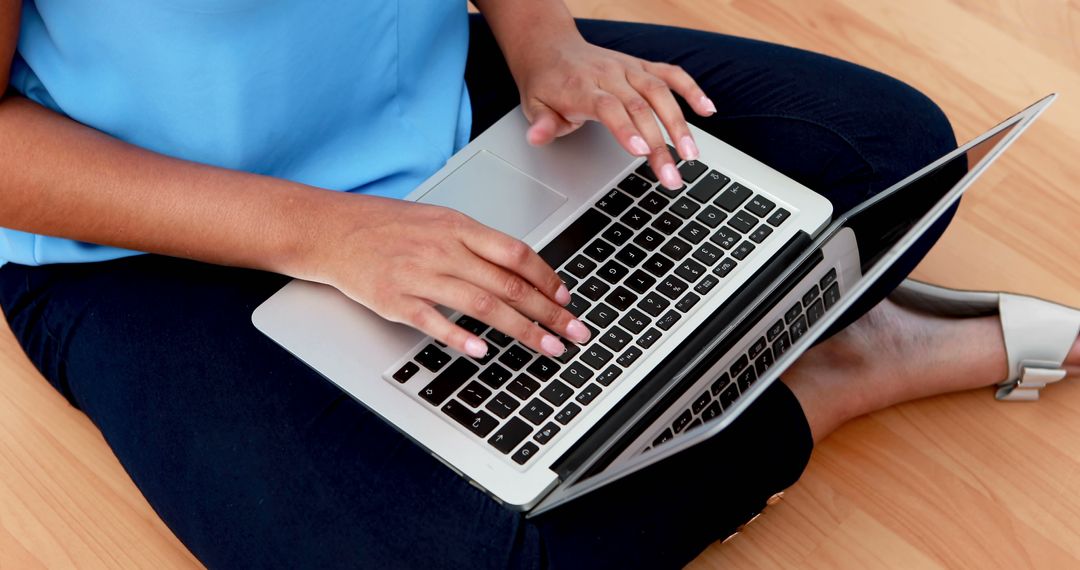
[(1038, 333)]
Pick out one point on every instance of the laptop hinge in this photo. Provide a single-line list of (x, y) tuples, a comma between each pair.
[(670, 369)]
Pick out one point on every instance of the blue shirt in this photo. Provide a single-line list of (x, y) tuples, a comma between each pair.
[(351, 95)]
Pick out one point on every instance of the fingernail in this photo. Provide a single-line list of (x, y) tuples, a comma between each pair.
[(552, 345), (687, 148), (577, 332), (476, 348), (708, 105), (670, 177), (638, 145), (562, 296)]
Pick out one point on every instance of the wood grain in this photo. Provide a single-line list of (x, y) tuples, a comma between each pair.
[(955, 481)]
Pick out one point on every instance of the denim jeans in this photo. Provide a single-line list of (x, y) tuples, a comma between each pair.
[(254, 460)]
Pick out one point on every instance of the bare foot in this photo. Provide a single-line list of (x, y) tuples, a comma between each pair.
[(894, 354)]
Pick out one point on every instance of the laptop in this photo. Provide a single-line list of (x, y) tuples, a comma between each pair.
[(697, 299)]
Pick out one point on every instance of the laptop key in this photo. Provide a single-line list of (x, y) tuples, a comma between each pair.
[(725, 238), (637, 185), (654, 203), (687, 302), (474, 394), (523, 386), (614, 203), (621, 298), (711, 216), (544, 434), (593, 289), (775, 330), (720, 383), (681, 421), (705, 285), (576, 235), (628, 357), (596, 356), (744, 249), (764, 362), (536, 411), (571, 351), (778, 217), (472, 325), (670, 193), (634, 321), (782, 344), (711, 411), (498, 338), (636, 218), (640, 282), (616, 234), (685, 207), (649, 338), (756, 348), (676, 248), (732, 197), (725, 267), (609, 375), (601, 315), (708, 253), (568, 413), (667, 223), (828, 279), (690, 270), (432, 358), (672, 287), (739, 364), (700, 403), (658, 265), (580, 266), (612, 272), (649, 239), (653, 304), (815, 311), (798, 328), (576, 374), (577, 305), (448, 381), (742, 222), (729, 396), (760, 234), (631, 255), (495, 376), (543, 368), (406, 371), (502, 405), (831, 296), (704, 190), (599, 250), (586, 396), (526, 453), (793, 312), (515, 357), (691, 170), (646, 172), (760, 206), (477, 421), (665, 435), (557, 393), (694, 232), (810, 295), (668, 320), (746, 379)]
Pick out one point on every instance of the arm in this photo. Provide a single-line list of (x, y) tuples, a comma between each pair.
[(564, 81), (61, 178)]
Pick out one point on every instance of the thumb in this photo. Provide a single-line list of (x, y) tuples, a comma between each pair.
[(546, 125)]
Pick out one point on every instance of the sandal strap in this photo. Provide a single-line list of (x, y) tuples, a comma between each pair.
[(1038, 336)]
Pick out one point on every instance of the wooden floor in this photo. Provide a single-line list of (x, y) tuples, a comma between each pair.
[(958, 481)]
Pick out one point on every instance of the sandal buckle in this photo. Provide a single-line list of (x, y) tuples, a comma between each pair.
[(1034, 376)]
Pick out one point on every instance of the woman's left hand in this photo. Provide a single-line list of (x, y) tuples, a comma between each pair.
[(567, 82)]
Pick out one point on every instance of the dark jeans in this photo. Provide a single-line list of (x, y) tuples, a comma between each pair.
[(252, 459)]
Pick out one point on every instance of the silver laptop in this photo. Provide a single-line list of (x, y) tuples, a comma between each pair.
[(697, 299)]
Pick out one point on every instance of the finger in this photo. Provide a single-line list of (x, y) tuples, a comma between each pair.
[(681, 82), (516, 257), (546, 125), (611, 112), (488, 308), (657, 92), (523, 297), (641, 112), (425, 318)]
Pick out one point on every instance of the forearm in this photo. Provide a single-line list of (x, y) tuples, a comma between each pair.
[(519, 25), (60, 178)]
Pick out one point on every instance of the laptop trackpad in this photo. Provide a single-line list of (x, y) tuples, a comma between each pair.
[(496, 194)]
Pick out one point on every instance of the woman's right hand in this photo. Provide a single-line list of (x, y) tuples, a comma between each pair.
[(400, 259)]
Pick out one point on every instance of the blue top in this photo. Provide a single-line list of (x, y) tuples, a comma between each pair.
[(351, 95)]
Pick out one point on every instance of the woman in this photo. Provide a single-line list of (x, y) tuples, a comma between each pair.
[(213, 133)]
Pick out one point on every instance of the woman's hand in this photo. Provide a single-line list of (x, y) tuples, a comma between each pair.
[(567, 81), (400, 259)]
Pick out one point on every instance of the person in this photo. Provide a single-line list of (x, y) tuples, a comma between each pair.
[(244, 143)]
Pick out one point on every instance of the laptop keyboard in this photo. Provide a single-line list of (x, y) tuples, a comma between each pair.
[(635, 264), (747, 367)]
